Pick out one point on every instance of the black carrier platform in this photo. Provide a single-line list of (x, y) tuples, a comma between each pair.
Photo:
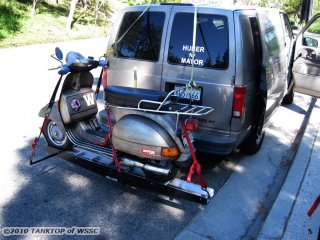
[(103, 165), (130, 97)]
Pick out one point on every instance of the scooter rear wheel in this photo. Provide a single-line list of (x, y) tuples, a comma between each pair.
[(56, 136)]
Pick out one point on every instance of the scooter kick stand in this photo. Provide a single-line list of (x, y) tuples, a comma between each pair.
[(104, 165)]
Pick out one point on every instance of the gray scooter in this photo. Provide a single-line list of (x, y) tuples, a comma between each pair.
[(139, 129)]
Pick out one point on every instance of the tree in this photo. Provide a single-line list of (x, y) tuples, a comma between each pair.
[(34, 6), (292, 8), (73, 4), (263, 3)]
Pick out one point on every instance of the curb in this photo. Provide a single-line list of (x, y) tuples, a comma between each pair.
[(239, 210), (280, 215)]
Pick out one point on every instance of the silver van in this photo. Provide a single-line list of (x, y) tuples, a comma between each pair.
[(240, 60)]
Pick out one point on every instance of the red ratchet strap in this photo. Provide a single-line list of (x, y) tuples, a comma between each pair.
[(195, 165), (36, 140), (106, 141), (107, 138), (49, 109), (314, 206), (114, 152)]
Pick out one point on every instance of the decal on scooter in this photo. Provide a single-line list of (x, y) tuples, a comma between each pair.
[(89, 98), (75, 105), (148, 152)]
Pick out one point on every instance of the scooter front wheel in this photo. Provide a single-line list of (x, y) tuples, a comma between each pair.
[(56, 136)]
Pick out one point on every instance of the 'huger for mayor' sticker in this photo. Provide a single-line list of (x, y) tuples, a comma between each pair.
[(197, 49)]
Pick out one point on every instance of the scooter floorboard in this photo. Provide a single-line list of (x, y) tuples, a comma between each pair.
[(103, 165)]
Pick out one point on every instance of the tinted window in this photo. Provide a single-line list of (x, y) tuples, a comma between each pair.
[(288, 31), (273, 34), (256, 38), (143, 39), (211, 48)]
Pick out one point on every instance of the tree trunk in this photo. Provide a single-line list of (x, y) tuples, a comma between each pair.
[(73, 4), (84, 4), (96, 11), (33, 10)]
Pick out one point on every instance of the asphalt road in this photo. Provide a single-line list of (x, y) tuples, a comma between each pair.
[(56, 193)]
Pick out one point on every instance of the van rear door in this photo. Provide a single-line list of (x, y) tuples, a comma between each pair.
[(136, 45), (306, 60), (214, 61)]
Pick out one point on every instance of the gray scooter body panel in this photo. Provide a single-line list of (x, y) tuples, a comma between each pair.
[(54, 115)]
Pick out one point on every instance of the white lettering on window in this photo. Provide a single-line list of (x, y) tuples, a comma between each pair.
[(189, 48), (197, 62)]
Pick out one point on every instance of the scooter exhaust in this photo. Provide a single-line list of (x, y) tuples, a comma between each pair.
[(131, 163)]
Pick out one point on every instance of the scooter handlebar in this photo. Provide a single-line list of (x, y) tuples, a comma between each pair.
[(75, 62), (64, 70)]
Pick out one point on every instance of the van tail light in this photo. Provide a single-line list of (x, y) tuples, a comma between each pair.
[(238, 102), (104, 78)]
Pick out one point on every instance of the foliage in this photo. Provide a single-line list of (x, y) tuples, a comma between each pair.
[(315, 27), (263, 3), (47, 25), (11, 18), (292, 8), (316, 6), (56, 10), (93, 12)]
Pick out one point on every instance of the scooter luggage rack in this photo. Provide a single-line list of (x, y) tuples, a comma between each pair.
[(173, 107)]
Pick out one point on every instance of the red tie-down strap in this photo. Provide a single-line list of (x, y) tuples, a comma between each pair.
[(195, 166), (314, 206), (114, 152), (36, 140), (106, 141)]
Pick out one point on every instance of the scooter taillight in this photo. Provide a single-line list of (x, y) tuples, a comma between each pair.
[(192, 124), (169, 152)]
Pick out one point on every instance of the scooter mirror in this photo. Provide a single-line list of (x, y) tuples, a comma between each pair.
[(59, 53)]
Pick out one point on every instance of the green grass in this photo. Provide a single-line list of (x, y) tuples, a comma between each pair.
[(48, 25), (11, 19)]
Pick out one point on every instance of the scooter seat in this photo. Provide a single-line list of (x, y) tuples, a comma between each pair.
[(130, 97)]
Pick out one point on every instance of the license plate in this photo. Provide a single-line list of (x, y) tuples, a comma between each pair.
[(195, 93)]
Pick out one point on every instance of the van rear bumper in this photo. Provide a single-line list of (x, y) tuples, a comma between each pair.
[(215, 144)]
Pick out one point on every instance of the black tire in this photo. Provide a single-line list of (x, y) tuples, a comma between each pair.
[(252, 144), (288, 98), (55, 136), (163, 178)]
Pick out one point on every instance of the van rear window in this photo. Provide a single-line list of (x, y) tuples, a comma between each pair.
[(143, 39), (212, 43)]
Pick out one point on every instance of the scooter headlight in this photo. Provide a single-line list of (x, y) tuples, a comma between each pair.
[(170, 152)]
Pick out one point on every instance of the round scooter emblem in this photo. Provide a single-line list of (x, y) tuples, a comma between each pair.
[(75, 105)]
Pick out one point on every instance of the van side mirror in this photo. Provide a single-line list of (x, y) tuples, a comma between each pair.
[(310, 42), (293, 26)]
